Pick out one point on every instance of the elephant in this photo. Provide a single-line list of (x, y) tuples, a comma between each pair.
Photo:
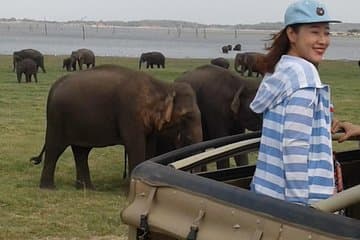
[(29, 53), (223, 98), (225, 49), (237, 47), (27, 67), (221, 62), (359, 63), (251, 62), (112, 105), (69, 65), (82, 56), (151, 59)]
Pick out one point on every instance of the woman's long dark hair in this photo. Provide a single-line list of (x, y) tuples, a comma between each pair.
[(280, 46)]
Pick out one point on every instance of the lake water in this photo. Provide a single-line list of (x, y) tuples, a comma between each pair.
[(61, 39)]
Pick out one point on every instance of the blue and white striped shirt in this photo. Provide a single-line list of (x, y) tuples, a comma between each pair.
[(295, 156)]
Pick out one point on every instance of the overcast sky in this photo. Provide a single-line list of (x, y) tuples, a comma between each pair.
[(201, 11)]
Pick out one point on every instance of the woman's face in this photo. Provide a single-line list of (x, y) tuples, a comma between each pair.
[(309, 41)]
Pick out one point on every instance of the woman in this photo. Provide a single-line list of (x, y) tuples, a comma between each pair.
[(295, 156)]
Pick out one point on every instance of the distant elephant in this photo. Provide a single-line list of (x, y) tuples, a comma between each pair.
[(29, 53), (151, 59), (237, 47), (27, 67), (223, 98), (225, 49), (110, 105), (251, 62), (359, 63), (221, 62), (69, 64), (82, 56)]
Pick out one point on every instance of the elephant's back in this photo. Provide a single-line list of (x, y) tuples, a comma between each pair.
[(102, 82), (86, 52), (205, 75), (31, 53)]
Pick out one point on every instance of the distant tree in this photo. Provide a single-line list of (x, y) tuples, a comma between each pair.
[(354, 30)]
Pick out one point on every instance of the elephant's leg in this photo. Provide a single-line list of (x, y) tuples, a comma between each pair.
[(158, 65), (151, 144), (250, 72), (81, 155), (19, 76), (27, 77), (241, 160), (52, 153), (35, 77), (147, 65), (220, 131), (135, 147), (152, 65)]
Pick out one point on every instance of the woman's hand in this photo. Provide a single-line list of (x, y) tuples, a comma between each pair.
[(350, 130)]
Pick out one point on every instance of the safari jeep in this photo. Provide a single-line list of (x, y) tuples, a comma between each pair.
[(168, 200)]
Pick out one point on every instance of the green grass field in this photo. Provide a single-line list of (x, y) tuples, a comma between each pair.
[(66, 213)]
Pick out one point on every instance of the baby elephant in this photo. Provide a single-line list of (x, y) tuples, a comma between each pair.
[(28, 67), (69, 64)]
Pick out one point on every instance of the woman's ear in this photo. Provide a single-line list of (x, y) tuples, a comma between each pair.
[(291, 34)]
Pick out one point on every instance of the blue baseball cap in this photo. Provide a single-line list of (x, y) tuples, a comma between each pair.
[(307, 11)]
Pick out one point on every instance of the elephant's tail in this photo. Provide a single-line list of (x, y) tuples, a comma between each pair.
[(36, 160)]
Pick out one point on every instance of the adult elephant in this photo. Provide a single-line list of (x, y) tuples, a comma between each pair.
[(151, 59), (82, 56), (251, 62), (92, 109), (29, 53), (221, 62), (223, 98)]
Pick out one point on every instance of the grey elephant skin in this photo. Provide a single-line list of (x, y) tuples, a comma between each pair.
[(151, 59), (221, 62), (29, 53), (69, 65), (223, 98), (111, 105), (226, 48), (27, 67), (237, 47), (251, 62), (82, 56)]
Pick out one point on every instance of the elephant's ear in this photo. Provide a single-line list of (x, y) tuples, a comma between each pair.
[(235, 104), (168, 110)]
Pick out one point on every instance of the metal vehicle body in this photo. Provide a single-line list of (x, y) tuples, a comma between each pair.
[(168, 201)]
